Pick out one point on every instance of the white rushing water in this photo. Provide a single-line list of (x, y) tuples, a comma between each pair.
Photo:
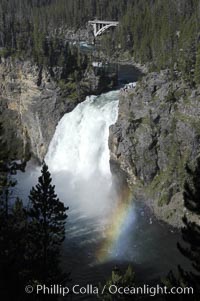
[(78, 155)]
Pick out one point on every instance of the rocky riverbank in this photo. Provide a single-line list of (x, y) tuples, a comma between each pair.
[(156, 134), (32, 102)]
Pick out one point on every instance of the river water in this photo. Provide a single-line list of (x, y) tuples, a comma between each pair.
[(103, 229)]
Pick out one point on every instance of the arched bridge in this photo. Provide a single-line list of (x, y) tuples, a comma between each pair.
[(100, 26)]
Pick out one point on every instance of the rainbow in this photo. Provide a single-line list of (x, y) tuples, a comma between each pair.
[(119, 221)]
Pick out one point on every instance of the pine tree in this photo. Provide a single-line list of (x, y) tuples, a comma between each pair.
[(191, 230), (13, 221), (17, 235), (46, 229), (191, 236), (120, 280), (197, 67)]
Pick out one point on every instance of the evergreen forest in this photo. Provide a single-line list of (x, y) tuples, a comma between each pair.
[(162, 33)]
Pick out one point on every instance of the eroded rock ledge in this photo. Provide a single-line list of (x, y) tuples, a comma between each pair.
[(32, 102), (157, 132)]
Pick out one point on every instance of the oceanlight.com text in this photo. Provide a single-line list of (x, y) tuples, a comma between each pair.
[(113, 289)]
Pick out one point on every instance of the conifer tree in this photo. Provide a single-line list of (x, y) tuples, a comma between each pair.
[(120, 280), (191, 237), (13, 222), (191, 230), (46, 229), (197, 67)]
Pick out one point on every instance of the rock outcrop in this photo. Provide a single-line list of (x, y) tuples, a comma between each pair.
[(157, 132), (32, 102)]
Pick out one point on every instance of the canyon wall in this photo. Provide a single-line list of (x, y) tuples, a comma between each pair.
[(156, 134), (33, 101)]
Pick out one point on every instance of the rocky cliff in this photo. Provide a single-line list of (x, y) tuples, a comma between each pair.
[(157, 132), (32, 101)]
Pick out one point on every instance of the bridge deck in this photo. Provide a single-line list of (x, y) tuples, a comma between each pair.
[(102, 22)]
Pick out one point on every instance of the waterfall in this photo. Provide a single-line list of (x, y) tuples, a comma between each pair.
[(78, 155)]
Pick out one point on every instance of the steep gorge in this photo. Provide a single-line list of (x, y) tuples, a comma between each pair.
[(156, 134)]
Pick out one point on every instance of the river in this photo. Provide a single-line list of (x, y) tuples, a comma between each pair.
[(103, 229)]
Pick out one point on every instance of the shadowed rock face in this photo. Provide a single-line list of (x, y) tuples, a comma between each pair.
[(157, 132), (37, 102)]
